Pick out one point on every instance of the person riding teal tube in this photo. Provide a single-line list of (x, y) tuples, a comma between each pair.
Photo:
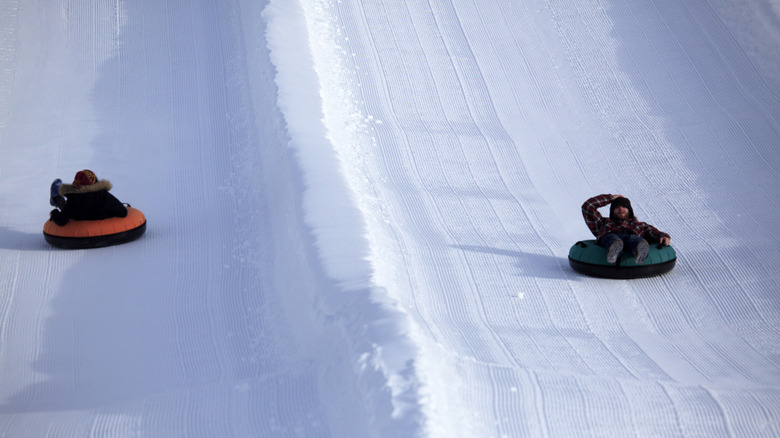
[(621, 231)]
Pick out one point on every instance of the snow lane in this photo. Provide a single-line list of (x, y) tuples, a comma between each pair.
[(497, 121), (211, 324)]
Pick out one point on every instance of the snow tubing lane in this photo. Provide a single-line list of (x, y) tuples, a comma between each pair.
[(588, 258), (97, 233)]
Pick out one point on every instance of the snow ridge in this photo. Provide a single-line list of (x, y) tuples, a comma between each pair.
[(325, 126)]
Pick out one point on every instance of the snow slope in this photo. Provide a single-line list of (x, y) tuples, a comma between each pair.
[(359, 215), (204, 327)]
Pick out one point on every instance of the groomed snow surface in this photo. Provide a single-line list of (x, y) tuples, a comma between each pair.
[(360, 211)]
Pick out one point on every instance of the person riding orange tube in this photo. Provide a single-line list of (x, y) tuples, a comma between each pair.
[(86, 199)]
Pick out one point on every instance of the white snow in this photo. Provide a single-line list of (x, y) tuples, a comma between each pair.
[(359, 214)]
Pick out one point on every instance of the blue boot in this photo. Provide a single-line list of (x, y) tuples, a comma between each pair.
[(54, 192)]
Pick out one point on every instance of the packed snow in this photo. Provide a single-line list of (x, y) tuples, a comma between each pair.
[(359, 215)]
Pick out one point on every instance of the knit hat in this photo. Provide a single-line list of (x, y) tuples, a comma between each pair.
[(620, 202), (84, 178)]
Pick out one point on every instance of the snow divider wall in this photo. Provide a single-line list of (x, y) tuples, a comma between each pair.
[(323, 123)]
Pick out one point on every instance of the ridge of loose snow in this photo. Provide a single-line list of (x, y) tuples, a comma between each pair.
[(324, 124)]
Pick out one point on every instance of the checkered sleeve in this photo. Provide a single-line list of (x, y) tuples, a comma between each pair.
[(652, 233), (590, 211)]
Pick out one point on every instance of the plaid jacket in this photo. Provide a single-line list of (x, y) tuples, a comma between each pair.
[(601, 226)]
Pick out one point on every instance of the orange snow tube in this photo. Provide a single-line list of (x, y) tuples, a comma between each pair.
[(97, 233)]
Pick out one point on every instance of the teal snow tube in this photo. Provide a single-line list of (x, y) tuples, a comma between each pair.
[(588, 258)]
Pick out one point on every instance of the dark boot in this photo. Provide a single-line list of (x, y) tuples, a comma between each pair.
[(642, 249), (614, 250)]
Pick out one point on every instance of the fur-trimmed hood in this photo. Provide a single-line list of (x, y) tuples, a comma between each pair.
[(70, 189)]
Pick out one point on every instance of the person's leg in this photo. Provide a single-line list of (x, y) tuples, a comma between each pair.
[(54, 191), (607, 239), (630, 241), (59, 202), (638, 247), (614, 245)]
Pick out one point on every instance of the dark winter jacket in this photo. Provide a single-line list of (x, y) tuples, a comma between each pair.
[(92, 202), (601, 226)]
